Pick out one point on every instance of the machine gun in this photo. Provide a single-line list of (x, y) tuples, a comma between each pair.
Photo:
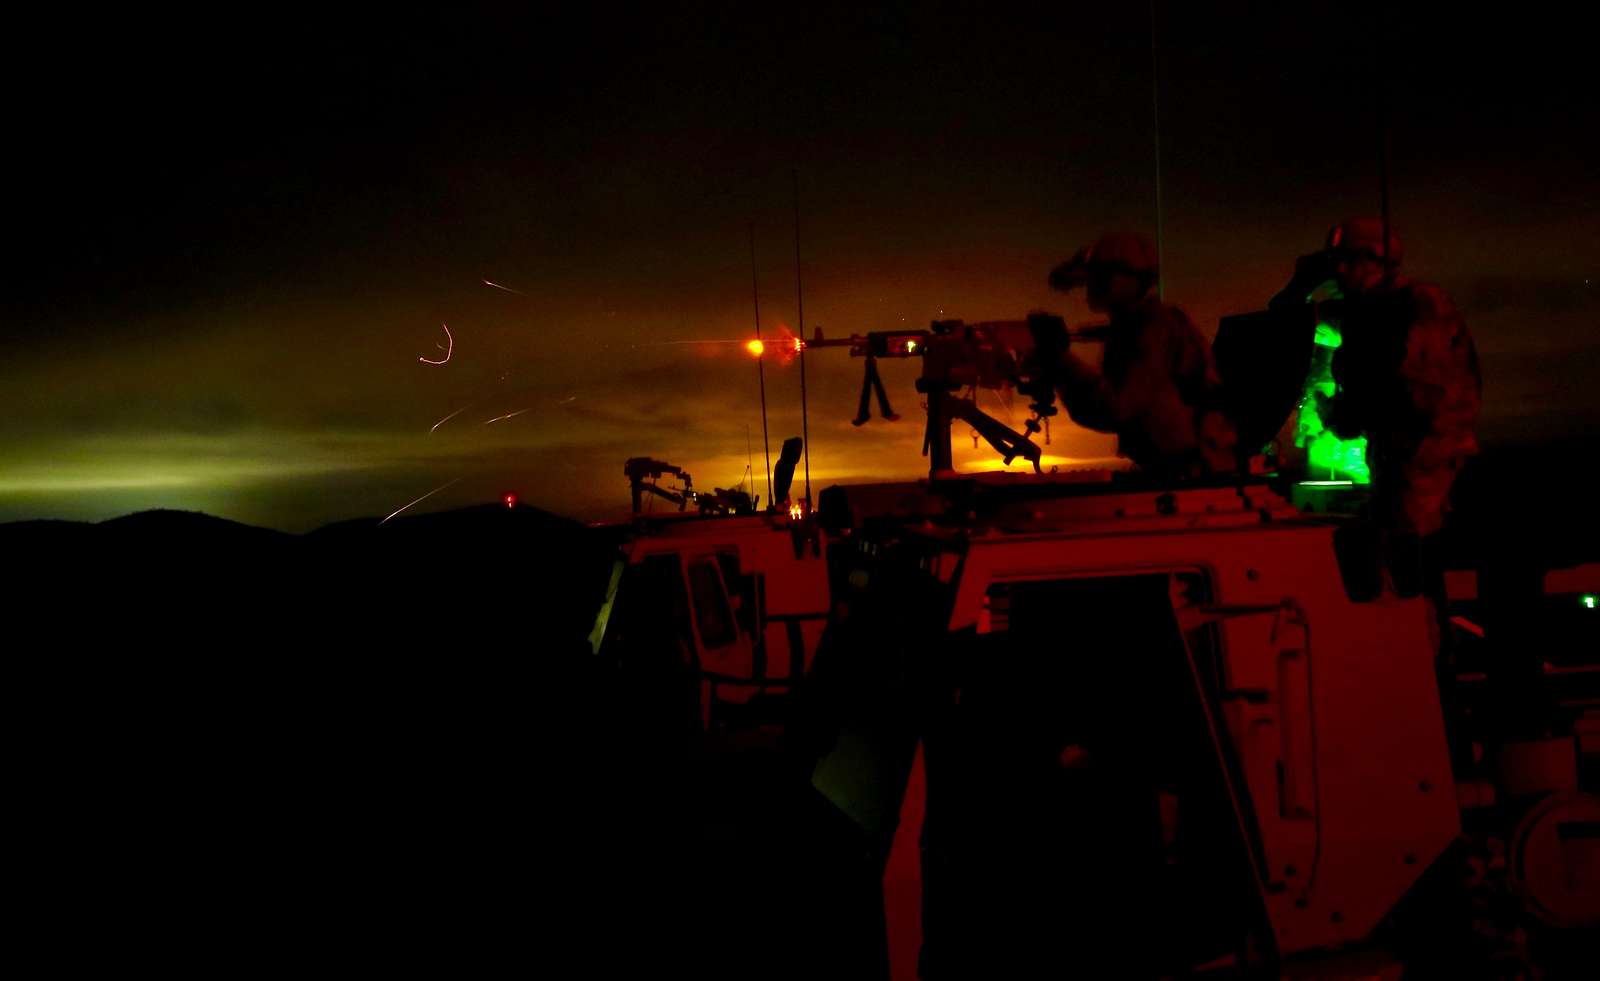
[(641, 468), (961, 358)]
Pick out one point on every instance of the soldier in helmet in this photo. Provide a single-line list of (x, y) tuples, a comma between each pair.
[(1406, 372), (1157, 387), (1405, 377)]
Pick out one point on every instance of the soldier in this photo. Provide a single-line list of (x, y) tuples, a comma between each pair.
[(1406, 377), (1157, 387), (1406, 372)]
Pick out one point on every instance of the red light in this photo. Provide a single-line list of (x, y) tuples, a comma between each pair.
[(511, 500), (756, 348)]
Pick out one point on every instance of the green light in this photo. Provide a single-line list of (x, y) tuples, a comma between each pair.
[(1588, 600), (1325, 452)]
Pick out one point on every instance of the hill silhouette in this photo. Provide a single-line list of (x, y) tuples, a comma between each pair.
[(362, 726)]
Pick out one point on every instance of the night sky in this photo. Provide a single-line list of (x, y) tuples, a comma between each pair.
[(229, 238)]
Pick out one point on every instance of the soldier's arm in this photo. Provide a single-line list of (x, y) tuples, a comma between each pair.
[(1154, 377), (1193, 366), (1310, 271), (1087, 396)]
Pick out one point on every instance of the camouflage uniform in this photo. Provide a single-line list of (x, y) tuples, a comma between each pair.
[(1157, 390), (1408, 380)]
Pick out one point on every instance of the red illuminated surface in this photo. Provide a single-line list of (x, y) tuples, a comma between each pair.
[(902, 879)]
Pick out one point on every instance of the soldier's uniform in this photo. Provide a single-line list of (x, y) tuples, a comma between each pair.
[(1407, 378), (1157, 387)]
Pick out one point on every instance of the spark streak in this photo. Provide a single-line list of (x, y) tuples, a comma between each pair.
[(506, 288), (422, 498), (508, 415), (447, 351), (451, 416)]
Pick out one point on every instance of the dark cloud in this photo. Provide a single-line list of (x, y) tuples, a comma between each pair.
[(1491, 294)]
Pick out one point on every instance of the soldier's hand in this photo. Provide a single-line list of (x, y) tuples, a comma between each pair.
[(1050, 339), (1317, 265), (1311, 271)]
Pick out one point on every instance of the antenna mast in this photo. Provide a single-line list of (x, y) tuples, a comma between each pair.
[(761, 370)]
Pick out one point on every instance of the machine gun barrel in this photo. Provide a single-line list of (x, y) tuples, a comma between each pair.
[(879, 343), (915, 343)]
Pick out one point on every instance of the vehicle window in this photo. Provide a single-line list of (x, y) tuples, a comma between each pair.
[(711, 608)]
